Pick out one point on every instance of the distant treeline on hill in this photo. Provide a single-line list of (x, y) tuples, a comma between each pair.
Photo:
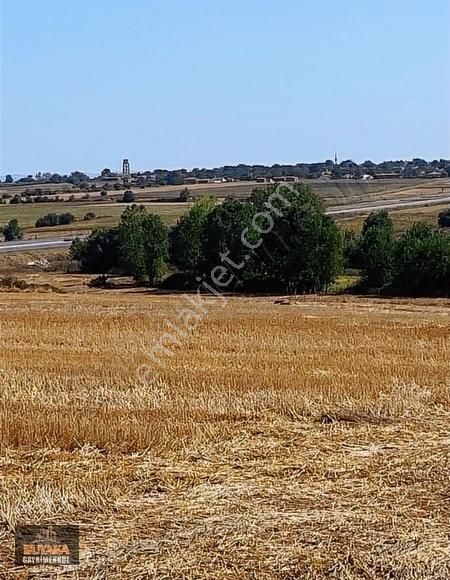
[(329, 169), (279, 240)]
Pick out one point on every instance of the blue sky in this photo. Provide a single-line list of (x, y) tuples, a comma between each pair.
[(202, 83)]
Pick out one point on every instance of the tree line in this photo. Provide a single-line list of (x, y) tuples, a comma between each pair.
[(242, 172), (279, 240)]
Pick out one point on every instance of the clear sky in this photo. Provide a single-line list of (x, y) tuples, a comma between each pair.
[(203, 83)]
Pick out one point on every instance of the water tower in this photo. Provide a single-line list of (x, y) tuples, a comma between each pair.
[(126, 174)]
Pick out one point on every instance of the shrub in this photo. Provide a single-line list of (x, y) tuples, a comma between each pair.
[(100, 282), (444, 219), (99, 253), (422, 263), (12, 231), (185, 195), (11, 283), (128, 197), (66, 218), (54, 219)]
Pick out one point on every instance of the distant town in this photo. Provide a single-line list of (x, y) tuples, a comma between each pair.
[(332, 169)]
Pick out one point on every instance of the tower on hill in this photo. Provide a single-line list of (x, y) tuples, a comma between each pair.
[(126, 170)]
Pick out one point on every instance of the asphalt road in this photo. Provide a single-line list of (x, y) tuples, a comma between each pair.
[(368, 207), (42, 244), (29, 245)]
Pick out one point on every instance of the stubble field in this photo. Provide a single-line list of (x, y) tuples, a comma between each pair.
[(300, 441)]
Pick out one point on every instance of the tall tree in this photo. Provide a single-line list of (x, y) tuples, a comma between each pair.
[(187, 237), (377, 248), (223, 237), (422, 265), (144, 244), (303, 248), (99, 253)]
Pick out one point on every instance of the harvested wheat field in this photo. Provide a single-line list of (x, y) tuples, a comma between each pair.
[(281, 441)]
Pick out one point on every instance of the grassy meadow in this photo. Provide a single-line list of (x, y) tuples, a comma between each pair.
[(107, 214), (402, 219), (298, 441), (334, 193)]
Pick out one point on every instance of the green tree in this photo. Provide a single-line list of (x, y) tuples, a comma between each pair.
[(78, 177), (377, 248), (303, 249), (77, 249), (66, 218), (48, 220), (9, 179), (99, 253), (144, 244), (54, 219), (222, 239), (128, 197), (350, 249), (422, 262), (187, 237), (12, 231)]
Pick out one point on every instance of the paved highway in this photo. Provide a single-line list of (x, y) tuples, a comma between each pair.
[(42, 244), (29, 245), (368, 207)]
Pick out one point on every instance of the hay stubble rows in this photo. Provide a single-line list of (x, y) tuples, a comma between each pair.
[(302, 441)]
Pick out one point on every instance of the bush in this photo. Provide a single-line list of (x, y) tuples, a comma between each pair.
[(54, 219), (99, 253), (185, 195), (128, 197), (11, 283), (422, 263), (89, 216), (444, 219), (66, 218), (100, 282), (179, 281), (12, 231)]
